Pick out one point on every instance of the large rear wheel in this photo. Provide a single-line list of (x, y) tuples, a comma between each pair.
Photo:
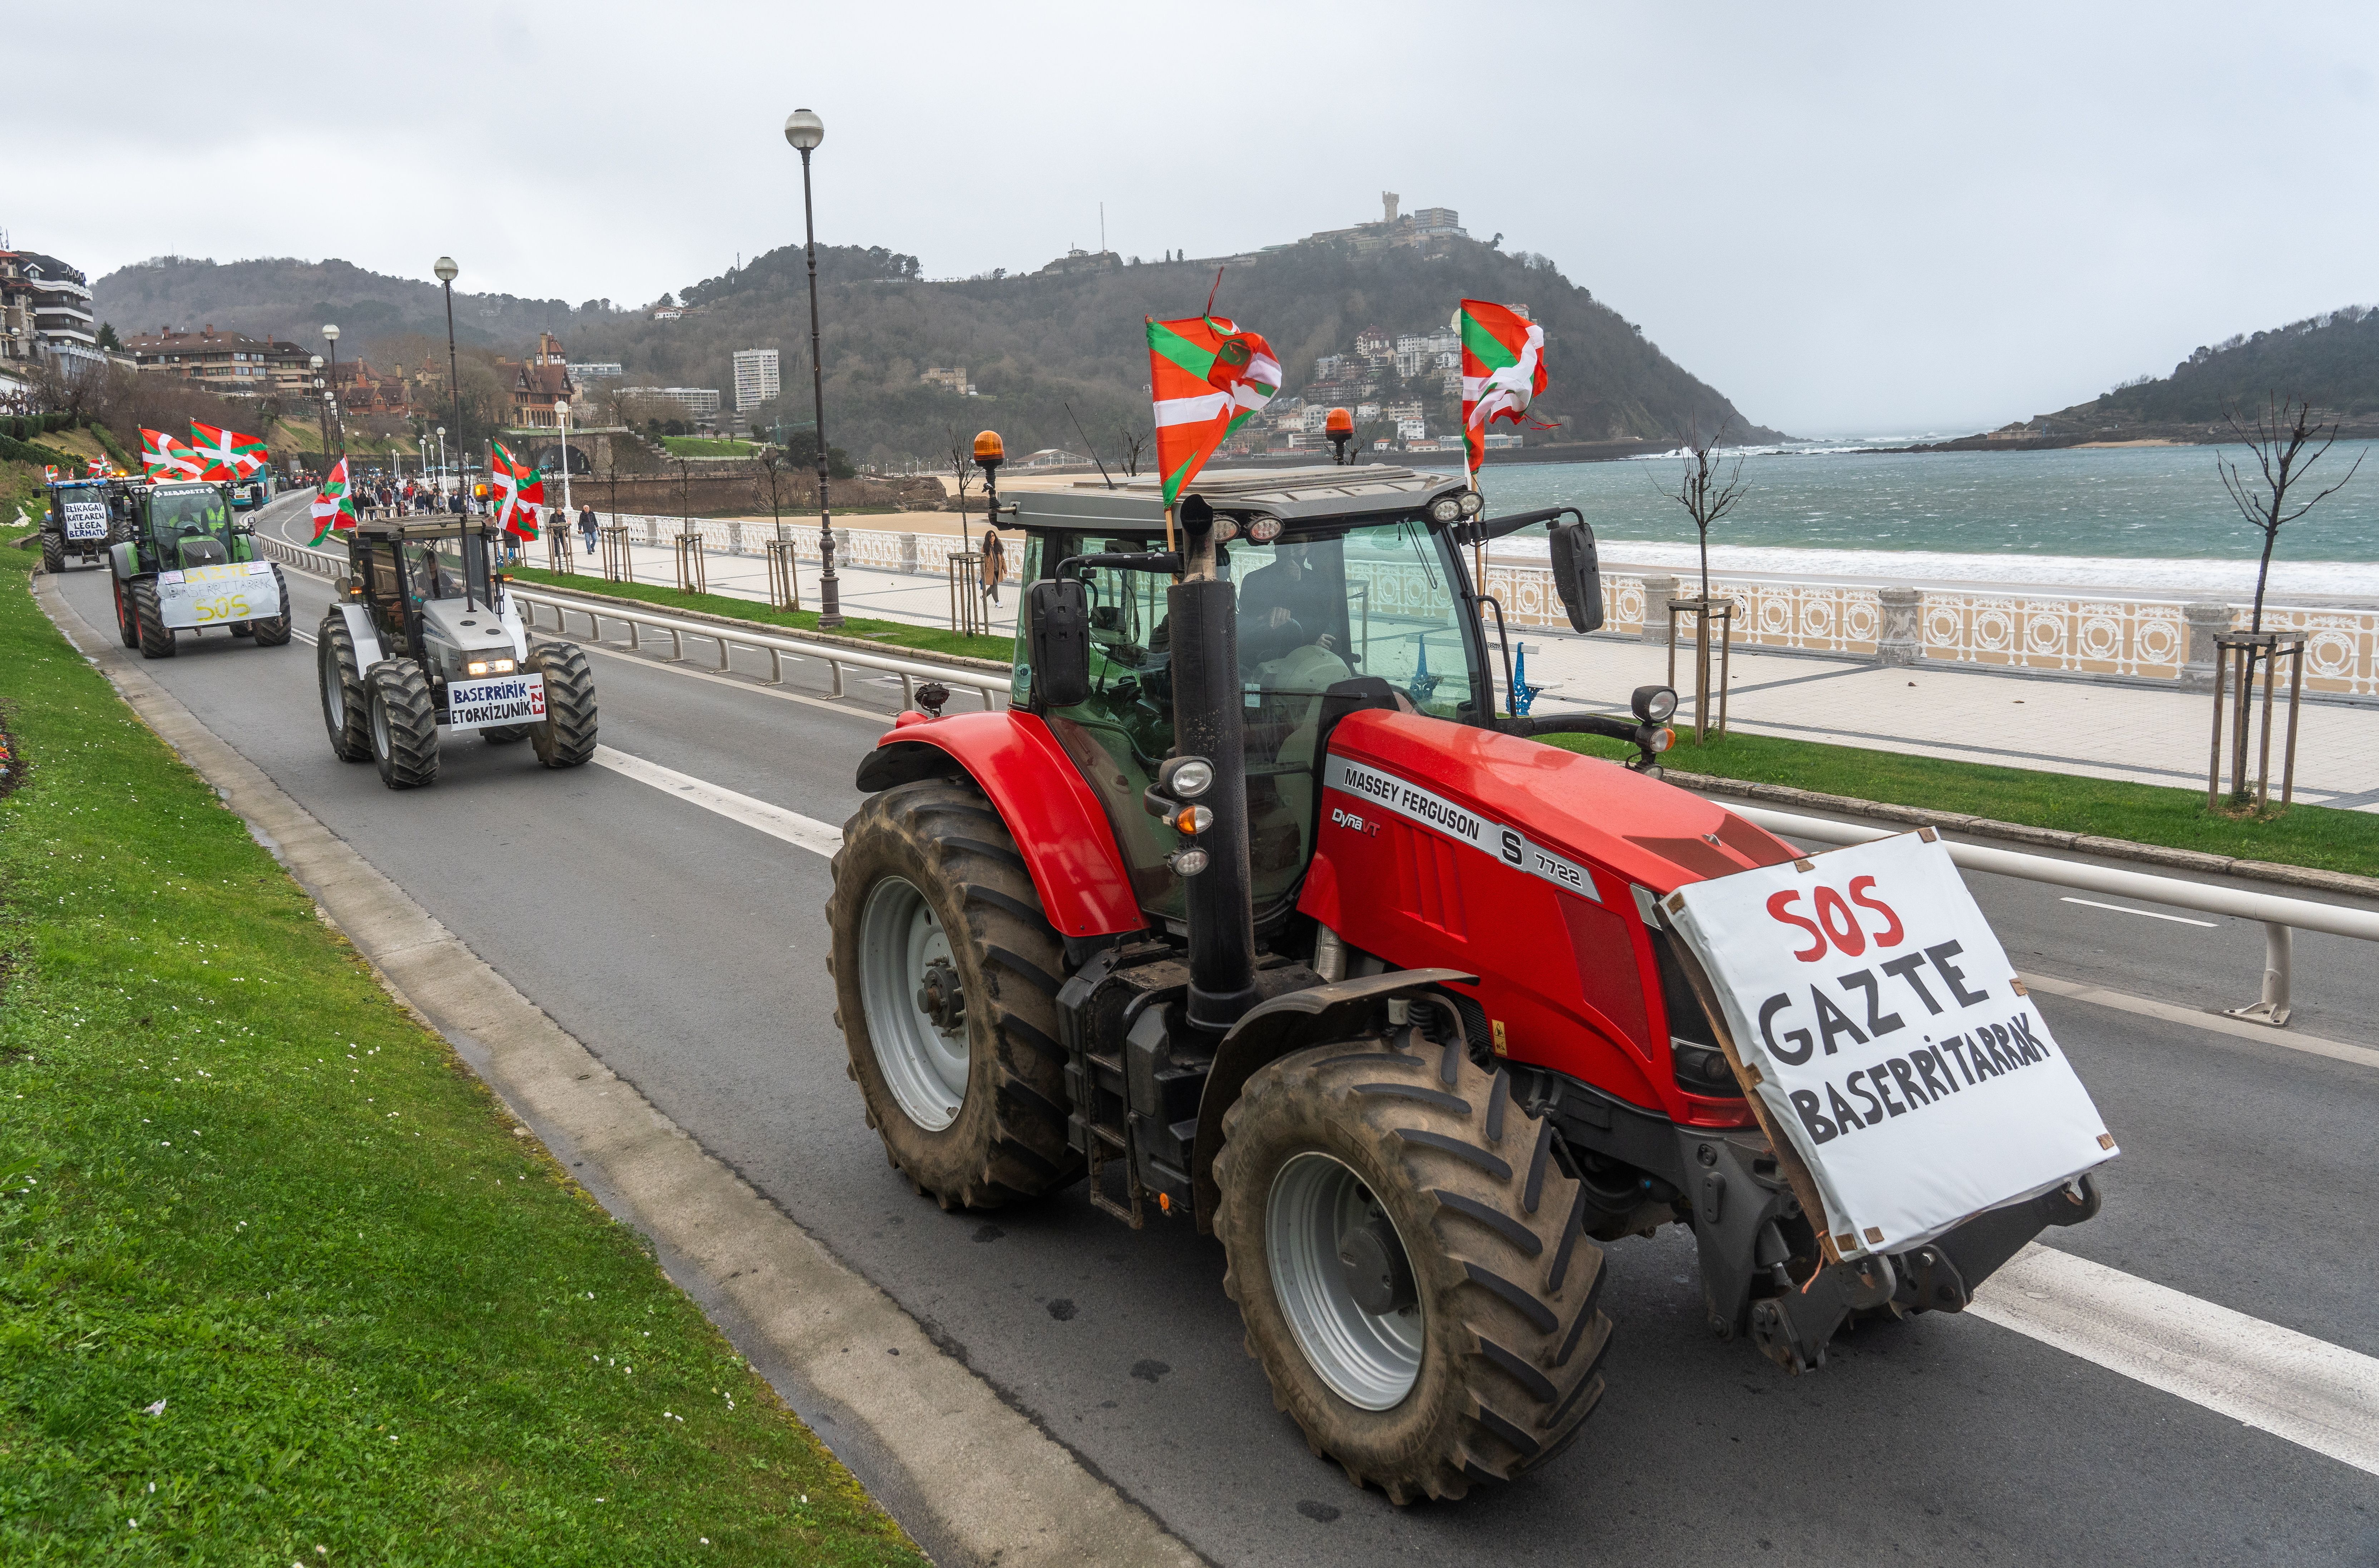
[(156, 638), (946, 976), (126, 626), (54, 553), (403, 724), (566, 739), (1411, 1264), (347, 709)]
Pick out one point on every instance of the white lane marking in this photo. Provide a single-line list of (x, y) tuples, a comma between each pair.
[(2315, 1394), (803, 832), (2213, 1023), (2125, 909)]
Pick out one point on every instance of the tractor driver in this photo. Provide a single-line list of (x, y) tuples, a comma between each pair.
[(1285, 606)]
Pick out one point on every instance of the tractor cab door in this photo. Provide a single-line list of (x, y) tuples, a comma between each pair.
[(1315, 607)]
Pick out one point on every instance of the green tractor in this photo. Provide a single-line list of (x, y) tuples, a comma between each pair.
[(188, 562)]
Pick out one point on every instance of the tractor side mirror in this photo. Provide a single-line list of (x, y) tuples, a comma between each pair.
[(1578, 575), (1060, 642)]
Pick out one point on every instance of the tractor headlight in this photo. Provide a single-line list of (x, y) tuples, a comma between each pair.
[(1653, 704), (1264, 530), (1473, 503), (1445, 509), (489, 667), (1225, 529), (1186, 778), (1186, 863)]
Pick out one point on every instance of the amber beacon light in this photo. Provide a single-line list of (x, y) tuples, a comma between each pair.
[(989, 450), (1339, 426)]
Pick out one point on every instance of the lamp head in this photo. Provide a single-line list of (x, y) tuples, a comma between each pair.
[(446, 270), (317, 363), (441, 432), (1339, 423), (989, 450), (803, 129), (331, 333)]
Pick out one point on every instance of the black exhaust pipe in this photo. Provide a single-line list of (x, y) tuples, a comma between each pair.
[(1208, 723)]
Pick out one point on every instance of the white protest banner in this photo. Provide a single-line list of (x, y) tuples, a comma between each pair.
[(498, 699), (1889, 1039), (84, 519), (213, 595)]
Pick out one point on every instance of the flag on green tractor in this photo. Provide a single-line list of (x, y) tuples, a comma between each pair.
[(162, 457), (518, 491), (1502, 371), (333, 503), (225, 454), (1206, 377)]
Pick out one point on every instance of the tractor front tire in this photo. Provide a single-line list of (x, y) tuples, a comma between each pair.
[(506, 734), (126, 625), (347, 708), (566, 739), (156, 638), (946, 976), (1411, 1264), (54, 553), (273, 630), (404, 723)]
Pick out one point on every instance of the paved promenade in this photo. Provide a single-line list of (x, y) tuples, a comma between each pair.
[(1968, 713)]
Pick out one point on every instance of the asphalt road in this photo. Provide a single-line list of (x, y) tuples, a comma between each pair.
[(688, 951)]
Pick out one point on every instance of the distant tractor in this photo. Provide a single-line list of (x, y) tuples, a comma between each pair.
[(187, 562), (422, 633), (1255, 910), (85, 516)]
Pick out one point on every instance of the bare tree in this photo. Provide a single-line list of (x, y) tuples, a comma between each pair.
[(1132, 441), (1705, 492), (961, 464), (2287, 442), (772, 464)]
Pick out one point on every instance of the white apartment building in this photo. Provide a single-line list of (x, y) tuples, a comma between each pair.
[(701, 404), (755, 377)]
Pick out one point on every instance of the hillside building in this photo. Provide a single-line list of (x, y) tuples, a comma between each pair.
[(537, 383), (227, 364), (701, 404), (953, 380), (755, 377), (45, 314), (1420, 229)]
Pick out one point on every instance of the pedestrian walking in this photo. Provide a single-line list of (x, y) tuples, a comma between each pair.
[(557, 523), (587, 525), (995, 563)]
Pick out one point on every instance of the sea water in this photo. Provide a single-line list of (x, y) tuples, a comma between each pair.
[(2154, 520)]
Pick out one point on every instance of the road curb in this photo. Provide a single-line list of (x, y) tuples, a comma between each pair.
[(2196, 860), (978, 1480)]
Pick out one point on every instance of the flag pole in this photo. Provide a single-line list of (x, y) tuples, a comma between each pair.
[(1168, 530)]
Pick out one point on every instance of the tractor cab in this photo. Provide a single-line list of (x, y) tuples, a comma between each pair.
[(1338, 575), (185, 525), (430, 589)]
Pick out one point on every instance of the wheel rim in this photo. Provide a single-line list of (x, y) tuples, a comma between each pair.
[(379, 726), (334, 692), (1315, 1207), (900, 940)]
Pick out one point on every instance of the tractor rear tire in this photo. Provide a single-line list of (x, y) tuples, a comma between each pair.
[(403, 724), (1477, 1358), (566, 739), (54, 553), (273, 630), (156, 638), (347, 708), (127, 626), (929, 887)]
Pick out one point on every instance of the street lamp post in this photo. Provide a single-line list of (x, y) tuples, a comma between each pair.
[(321, 411), (446, 271), (330, 334), (561, 413), (442, 475), (805, 130)]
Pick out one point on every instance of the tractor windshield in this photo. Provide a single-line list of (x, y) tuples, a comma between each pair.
[(190, 526), (1315, 607), (441, 567)]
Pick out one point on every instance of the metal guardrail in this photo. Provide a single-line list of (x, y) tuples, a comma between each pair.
[(2280, 915), (835, 656)]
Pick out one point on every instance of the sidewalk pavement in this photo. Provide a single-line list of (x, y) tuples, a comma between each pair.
[(2099, 729)]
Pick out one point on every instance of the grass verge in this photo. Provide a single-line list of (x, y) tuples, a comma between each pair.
[(892, 634), (2146, 813), (278, 1283)]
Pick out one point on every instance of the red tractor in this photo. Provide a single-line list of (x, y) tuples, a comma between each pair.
[(1252, 895)]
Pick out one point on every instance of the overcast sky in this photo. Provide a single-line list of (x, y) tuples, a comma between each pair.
[(1851, 219)]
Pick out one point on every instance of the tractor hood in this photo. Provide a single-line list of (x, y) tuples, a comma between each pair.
[(1649, 832)]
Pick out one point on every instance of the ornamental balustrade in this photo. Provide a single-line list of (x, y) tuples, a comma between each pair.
[(2073, 633)]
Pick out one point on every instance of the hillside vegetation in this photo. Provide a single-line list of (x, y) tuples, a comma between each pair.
[(1032, 345)]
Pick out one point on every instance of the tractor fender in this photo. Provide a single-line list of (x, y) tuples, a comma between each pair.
[(1069, 847), (1272, 1029), (366, 634), (123, 562)]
